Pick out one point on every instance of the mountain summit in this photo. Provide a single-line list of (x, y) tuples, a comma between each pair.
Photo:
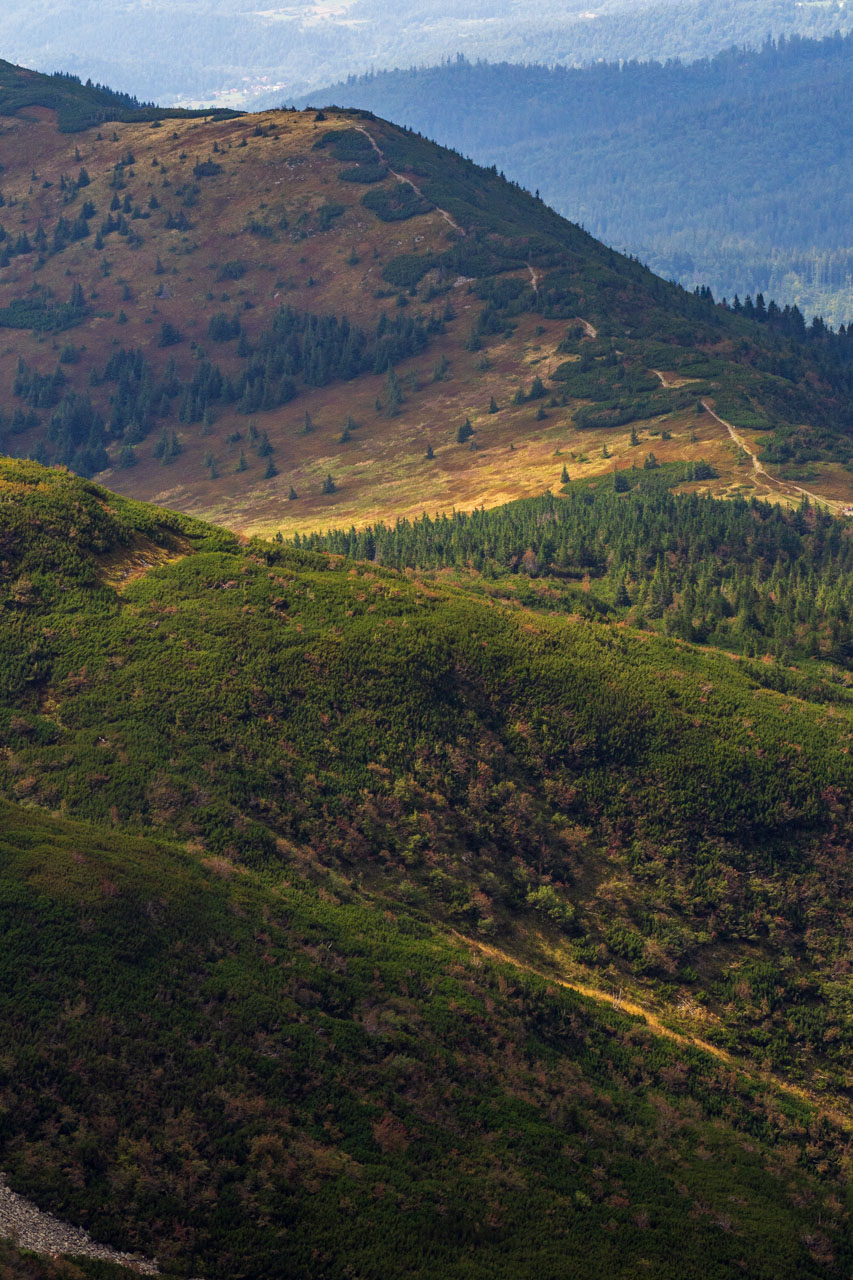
[(297, 319)]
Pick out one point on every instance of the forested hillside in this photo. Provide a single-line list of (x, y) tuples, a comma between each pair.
[(234, 53), (392, 924), (736, 574), (78, 106), (734, 172), (292, 319)]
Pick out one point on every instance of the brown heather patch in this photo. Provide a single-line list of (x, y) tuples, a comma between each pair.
[(382, 472)]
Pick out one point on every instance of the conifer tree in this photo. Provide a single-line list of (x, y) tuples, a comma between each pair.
[(393, 394)]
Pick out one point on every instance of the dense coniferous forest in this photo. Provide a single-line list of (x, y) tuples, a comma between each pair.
[(742, 575), (315, 349), (732, 172)]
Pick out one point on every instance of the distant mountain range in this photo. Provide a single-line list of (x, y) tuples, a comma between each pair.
[(234, 53), (736, 173)]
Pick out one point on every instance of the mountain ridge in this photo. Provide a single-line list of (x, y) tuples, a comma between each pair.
[(459, 896), (727, 172), (176, 304)]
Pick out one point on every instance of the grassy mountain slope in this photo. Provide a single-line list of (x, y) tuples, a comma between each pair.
[(257, 321), (733, 173), (314, 846)]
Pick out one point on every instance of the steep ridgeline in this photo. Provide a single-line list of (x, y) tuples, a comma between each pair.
[(392, 924), (296, 319), (733, 172)]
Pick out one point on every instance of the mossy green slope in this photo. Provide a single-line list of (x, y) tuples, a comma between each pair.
[(248, 1033), (23, 1264), (253, 1075), (669, 810)]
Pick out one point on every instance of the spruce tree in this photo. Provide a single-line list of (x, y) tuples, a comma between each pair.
[(394, 395)]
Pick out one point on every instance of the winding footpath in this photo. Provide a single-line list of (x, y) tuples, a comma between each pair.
[(451, 222), (840, 1115), (758, 468)]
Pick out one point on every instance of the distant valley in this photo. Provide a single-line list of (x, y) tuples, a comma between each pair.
[(230, 53)]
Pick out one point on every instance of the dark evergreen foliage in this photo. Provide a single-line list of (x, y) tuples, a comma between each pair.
[(743, 575)]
